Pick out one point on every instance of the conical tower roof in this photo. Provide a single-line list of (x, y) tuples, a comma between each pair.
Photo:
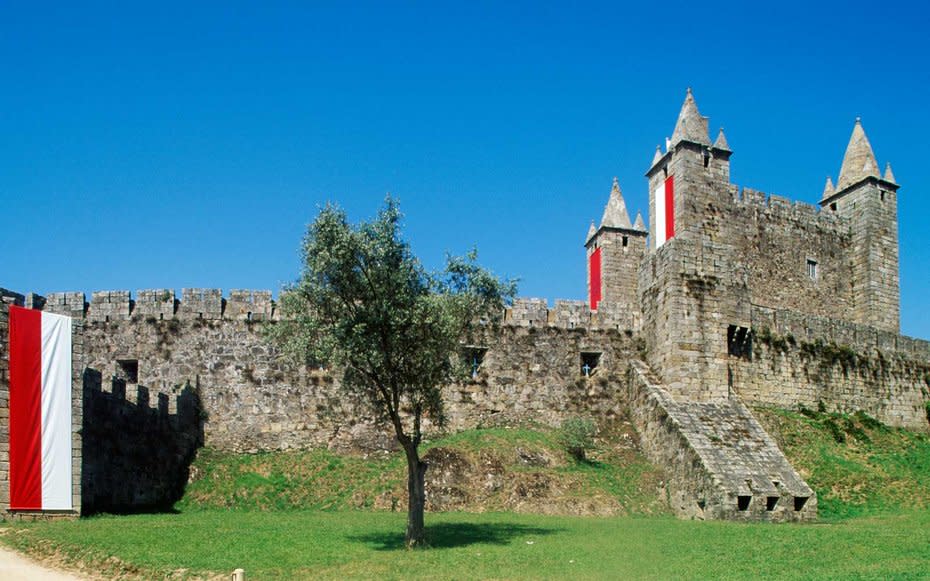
[(639, 224), (859, 161), (591, 232), (615, 214), (691, 126), (657, 156), (828, 189), (889, 176), (721, 142)]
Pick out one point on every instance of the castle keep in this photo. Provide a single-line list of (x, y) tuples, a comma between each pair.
[(728, 299)]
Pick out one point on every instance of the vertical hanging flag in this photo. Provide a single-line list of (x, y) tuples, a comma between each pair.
[(665, 210), (594, 270), (40, 410)]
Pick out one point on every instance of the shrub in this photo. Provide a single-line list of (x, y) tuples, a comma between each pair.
[(577, 435)]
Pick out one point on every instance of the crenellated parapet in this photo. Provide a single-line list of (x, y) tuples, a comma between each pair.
[(162, 303), (802, 327), (568, 314), (783, 209)]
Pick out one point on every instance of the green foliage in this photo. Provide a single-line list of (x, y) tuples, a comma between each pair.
[(364, 305), (577, 435)]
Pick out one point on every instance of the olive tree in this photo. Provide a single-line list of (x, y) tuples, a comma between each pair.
[(367, 308)]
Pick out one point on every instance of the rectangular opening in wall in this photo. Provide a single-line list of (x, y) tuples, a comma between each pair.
[(626, 241), (833, 207), (742, 502), (812, 268), (589, 363), (473, 359), (770, 503), (799, 502), (127, 370), (739, 342)]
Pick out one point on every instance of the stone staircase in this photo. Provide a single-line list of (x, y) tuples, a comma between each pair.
[(721, 463)]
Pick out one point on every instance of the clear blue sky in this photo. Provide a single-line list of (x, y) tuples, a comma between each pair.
[(177, 145)]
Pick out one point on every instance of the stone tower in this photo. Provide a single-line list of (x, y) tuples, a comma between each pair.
[(691, 289), (615, 250), (688, 179), (868, 200)]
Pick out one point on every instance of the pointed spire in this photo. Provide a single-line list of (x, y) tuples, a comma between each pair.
[(721, 142), (591, 232), (615, 214), (889, 177), (639, 224), (859, 161), (657, 156), (828, 189), (691, 126)]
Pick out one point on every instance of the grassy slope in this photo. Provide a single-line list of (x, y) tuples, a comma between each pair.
[(618, 480), (856, 465)]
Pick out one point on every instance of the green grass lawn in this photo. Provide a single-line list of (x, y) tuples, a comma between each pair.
[(362, 544)]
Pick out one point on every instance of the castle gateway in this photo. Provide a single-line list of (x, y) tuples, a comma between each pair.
[(728, 299)]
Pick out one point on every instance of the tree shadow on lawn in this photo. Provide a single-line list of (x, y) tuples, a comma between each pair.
[(451, 535)]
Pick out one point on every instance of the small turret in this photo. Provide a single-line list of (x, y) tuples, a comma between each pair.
[(658, 156), (591, 232), (639, 224), (889, 176), (721, 142), (828, 189)]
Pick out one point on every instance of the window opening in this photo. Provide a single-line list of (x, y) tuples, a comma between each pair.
[(742, 502), (589, 363), (473, 359), (127, 370), (739, 342), (770, 503), (812, 269)]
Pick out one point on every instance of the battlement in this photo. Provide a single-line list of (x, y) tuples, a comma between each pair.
[(778, 207), (162, 303), (258, 305), (568, 314), (805, 327)]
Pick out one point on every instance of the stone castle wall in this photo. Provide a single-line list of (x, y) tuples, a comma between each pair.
[(800, 360), (254, 399), (774, 238)]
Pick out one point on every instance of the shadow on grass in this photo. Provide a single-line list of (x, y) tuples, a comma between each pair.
[(451, 535)]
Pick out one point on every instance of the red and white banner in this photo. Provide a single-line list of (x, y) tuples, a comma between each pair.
[(40, 410), (665, 210)]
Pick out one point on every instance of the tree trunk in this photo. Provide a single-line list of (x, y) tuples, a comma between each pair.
[(416, 499)]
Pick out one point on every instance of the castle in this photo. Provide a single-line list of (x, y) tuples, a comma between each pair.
[(730, 299)]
